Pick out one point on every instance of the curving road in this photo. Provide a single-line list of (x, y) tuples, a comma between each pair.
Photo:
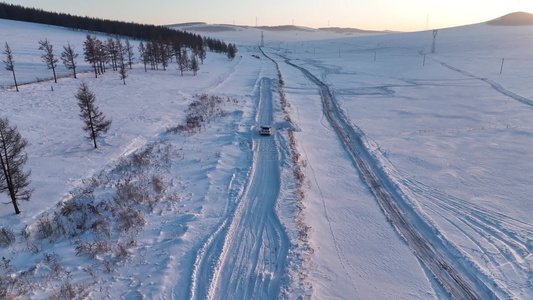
[(445, 263)]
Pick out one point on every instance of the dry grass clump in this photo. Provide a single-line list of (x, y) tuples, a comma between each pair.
[(103, 215), (204, 109), (7, 237)]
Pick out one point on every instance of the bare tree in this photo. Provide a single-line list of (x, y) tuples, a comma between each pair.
[(232, 51), (176, 47), (143, 53), (101, 55), (199, 51), (112, 52), (48, 56), (68, 56), (123, 72), (129, 52), (153, 52), (95, 122), (13, 180), (194, 65), (163, 53), (121, 52), (10, 64), (183, 61), (202, 52), (90, 52)]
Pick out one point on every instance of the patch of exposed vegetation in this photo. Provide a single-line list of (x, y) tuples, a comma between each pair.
[(201, 112)]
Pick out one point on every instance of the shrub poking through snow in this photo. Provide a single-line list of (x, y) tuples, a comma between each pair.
[(44, 227), (101, 217), (204, 109), (6, 237)]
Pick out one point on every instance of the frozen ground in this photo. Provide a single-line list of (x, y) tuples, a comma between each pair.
[(448, 136)]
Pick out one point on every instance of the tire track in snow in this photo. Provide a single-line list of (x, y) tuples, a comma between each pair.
[(445, 263), (246, 257), (501, 240), (498, 87), (338, 250)]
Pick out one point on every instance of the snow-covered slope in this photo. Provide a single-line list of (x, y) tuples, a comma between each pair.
[(23, 39), (449, 132), (247, 35)]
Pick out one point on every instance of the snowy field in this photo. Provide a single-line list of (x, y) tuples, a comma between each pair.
[(23, 39), (453, 134), (446, 131)]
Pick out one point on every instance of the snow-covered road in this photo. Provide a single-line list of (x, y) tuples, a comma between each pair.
[(246, 257), (442, 261)]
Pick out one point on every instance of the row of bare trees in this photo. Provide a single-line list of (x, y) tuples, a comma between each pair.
[(115, 54), (156, 53), (111, 52), (68, 56)]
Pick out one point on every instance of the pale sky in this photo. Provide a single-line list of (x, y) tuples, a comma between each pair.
[(401, 15)]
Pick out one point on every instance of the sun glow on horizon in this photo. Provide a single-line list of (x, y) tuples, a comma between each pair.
[(408, 15)]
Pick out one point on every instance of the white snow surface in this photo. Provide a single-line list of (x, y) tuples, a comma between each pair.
[(450, 132)]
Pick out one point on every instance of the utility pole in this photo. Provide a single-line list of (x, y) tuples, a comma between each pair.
[(434, 45), (262, 39)]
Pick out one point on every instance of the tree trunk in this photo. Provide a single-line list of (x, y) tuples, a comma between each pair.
[(7, 176), (15, 78), (95, 70), (93, 135), (14, 199), (54, 70), (17, 210)]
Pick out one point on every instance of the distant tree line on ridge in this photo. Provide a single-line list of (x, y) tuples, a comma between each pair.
[(130, 29)]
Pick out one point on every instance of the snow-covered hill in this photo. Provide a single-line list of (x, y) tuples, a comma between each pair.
[(451, 132), (23, 39)]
